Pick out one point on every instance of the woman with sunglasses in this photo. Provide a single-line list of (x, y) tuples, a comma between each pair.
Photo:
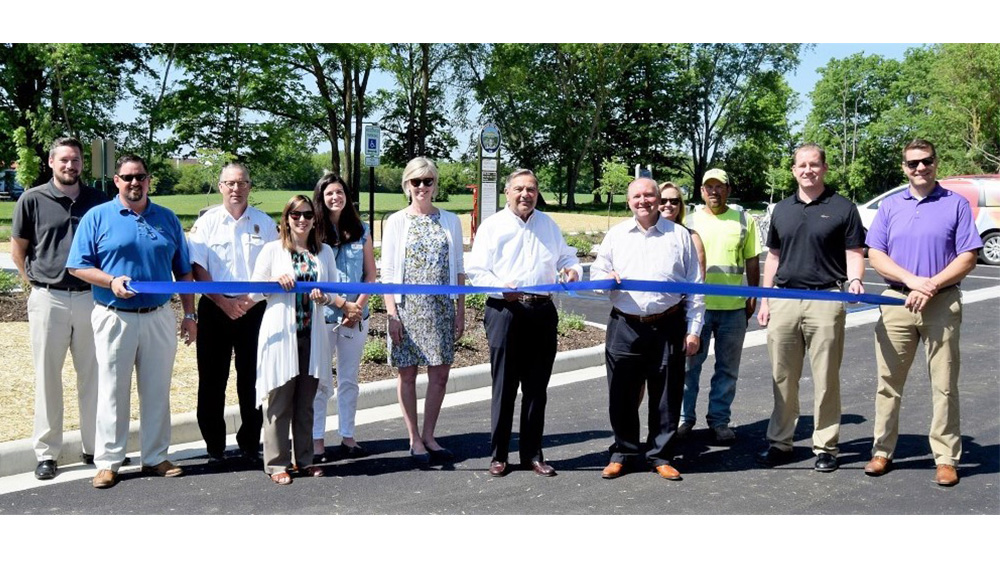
[(672, 207), (343, 230), (423, 245), (293, 350)]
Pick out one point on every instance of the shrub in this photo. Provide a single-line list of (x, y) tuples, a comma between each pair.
[(9, 281), (376, 303), (467, 342), (581, 243), (374, 351), (569, 322), (476, 301)]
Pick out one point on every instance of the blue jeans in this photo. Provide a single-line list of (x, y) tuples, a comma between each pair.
[(729, 329)]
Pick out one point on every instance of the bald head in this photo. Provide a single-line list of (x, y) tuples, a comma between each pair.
[(644, 200)]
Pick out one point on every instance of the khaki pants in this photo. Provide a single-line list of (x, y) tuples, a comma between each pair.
[(797, 325), (59, 321), (146, 342), (897, 336)]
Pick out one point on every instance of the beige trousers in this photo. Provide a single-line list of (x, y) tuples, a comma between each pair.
[(148, 343), (60, 321), (798, 325), (897, 335)]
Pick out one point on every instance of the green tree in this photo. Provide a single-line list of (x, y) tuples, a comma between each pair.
[(716, 92)]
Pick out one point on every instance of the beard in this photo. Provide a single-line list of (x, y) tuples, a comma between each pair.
[(134, 194), (67, 178)]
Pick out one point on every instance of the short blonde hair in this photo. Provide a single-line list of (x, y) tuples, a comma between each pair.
[(419, 167)]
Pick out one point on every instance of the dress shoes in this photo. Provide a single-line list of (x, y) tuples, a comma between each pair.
[(45, 470), (825, 463), (773, 456), (105, 479), (879, 465), (613, 471), (87, 459), (945, 475), (162, 469), (498, 468), (668, 472), (684, 430), (543, 469)]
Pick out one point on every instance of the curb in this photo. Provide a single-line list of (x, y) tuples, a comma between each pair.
[(19, 456)]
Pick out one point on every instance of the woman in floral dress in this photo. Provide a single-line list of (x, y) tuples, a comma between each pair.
[(423, 245)]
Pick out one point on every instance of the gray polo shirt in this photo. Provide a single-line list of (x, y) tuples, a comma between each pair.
[(48, 219)]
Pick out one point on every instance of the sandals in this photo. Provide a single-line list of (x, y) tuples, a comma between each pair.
[(308, 471), (282, 478)]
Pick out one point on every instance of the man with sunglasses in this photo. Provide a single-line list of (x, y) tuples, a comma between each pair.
[(814, 243), (224, 245), (517, 247), (923, 242), (59, 307), (127, 238), (731, 249), (649, 333)]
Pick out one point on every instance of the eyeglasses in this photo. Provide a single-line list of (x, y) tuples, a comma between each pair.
[(670, 200), (240, 184), (912, 164), (136, 177), (415, 182), (296, 215)]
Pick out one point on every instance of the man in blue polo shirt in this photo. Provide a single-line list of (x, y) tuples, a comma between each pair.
[(923, 241), (128, 238)]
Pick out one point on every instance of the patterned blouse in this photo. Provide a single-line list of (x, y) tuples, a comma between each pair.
[(305, 267)]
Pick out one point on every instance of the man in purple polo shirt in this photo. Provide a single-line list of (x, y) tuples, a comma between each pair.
[(923, 242)]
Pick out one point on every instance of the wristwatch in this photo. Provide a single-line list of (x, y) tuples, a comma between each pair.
[(192, 316)]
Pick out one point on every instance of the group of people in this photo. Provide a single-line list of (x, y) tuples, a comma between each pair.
[(79, 251)]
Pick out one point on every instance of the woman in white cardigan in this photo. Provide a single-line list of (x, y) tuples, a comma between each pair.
[(422, 244), (293, 351)]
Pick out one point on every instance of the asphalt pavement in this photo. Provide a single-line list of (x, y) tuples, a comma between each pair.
[(717, 479)]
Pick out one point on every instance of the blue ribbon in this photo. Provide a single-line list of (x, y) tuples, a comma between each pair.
[(238, 288)]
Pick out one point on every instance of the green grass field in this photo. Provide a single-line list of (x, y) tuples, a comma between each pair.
[(272, 201)]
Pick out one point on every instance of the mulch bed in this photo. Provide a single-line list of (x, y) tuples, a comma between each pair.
[(471, 350)]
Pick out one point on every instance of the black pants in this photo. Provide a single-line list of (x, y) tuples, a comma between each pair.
[(522, 341), (218, 338), (637, 353)]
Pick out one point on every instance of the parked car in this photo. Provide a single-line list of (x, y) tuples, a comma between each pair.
[(9, 188), (983, 193)]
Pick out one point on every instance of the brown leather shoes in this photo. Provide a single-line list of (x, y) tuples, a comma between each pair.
[(498, 468), (163, 469), (946, 476), (879, 465), (668, 472), (543, 469), (613, 470), (105, 479)]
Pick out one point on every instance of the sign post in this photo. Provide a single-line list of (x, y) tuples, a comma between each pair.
[(489, 169), (102, 159), (373, 142)]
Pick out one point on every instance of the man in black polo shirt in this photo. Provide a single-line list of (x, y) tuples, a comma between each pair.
[(60, 304), (815, 243)]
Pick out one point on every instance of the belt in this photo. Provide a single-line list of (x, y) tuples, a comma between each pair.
[(57, 288), (534, 298), (139, 310), (649, 318)]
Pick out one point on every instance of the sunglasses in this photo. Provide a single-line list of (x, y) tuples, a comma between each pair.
[(415, 182), (296, 215), (670, 200), (136, 177), (912, 164)]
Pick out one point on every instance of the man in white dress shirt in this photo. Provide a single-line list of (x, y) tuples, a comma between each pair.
[(224, 244), (649, 333), (518, 247)]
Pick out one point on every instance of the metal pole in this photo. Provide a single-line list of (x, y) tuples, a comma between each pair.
[(371, 201)]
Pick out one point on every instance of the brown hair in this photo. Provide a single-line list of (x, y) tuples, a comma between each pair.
[(349, 227), (920, 144), (313, 242), (682, 206), (810, 147)]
